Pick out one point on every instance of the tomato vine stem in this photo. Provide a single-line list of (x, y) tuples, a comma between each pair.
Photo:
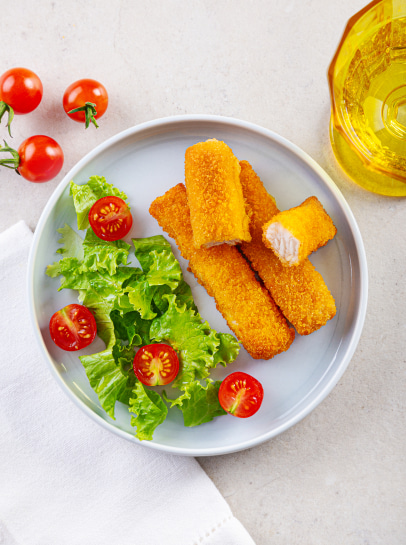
[(6, 108), (90, 111), (10, 162)]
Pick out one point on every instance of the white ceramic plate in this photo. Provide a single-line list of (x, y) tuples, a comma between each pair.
[(144, 162)]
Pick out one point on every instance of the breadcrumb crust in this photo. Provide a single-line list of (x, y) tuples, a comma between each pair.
[(245, 304), (309, 223), (300, 292), (216, 202)]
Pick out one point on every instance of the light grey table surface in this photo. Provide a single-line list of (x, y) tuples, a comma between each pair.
[(338, 477)]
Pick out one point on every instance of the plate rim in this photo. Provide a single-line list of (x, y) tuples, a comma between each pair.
[(361, 307)]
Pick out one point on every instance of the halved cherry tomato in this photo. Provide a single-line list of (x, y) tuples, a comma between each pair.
[(156, 364), (38, 159), (73, 327), (110, 218), (20, 92), (241, 394), (85, 101)]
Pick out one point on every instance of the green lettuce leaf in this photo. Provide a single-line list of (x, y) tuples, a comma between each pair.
[(105, 326), (110, 371), (124, 357), (161, 275), (199, 403), (83, 259), (71, 243), (70, 270), (227, 351), (101, 255), (84, 197), (157, 261), (184, 296), (150, 411), (144, 246), (72, 250), (131, 328), (106, 378), (194, 340), (103, 289), (104, 298), (140, 295)]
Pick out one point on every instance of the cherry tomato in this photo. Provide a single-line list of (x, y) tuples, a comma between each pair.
[(85, 101), (41, 158), (73, 327), (110, 218), (156, 364), (241, 394), (21, 89), (38, 159)]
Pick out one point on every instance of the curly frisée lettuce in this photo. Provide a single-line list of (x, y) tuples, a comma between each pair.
[(135, 306)]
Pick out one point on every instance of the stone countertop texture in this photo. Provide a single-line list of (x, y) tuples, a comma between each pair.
[(337, 477)]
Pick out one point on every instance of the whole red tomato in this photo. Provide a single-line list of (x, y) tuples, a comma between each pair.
[(41, 158), (20, 93), (85, 101), (38, 159), (21, 89)]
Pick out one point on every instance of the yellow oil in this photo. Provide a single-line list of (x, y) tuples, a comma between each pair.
[(373, 99), (371, 107), (362, 174)]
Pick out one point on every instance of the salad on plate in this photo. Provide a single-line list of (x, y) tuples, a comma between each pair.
[(135, 306)]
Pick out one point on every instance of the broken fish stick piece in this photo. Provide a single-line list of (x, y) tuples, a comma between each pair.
[(246, 305), (216, 202), (295, 233), (300, 292)]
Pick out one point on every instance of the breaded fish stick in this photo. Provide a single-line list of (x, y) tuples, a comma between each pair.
[(246, 305), (294, 234), (217, 208), (300, 292)]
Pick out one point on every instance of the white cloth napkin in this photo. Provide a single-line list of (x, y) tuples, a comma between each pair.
[(66, 480)]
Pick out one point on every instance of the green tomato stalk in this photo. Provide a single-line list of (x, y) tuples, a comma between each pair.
[(90, 111), (10, 162), (6, 108)]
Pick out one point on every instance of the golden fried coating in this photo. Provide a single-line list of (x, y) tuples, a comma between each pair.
[(300, 292), (294, 234), (246, 305), (217, 208)]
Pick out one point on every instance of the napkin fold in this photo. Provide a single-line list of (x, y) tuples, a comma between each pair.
[(63, 478)]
